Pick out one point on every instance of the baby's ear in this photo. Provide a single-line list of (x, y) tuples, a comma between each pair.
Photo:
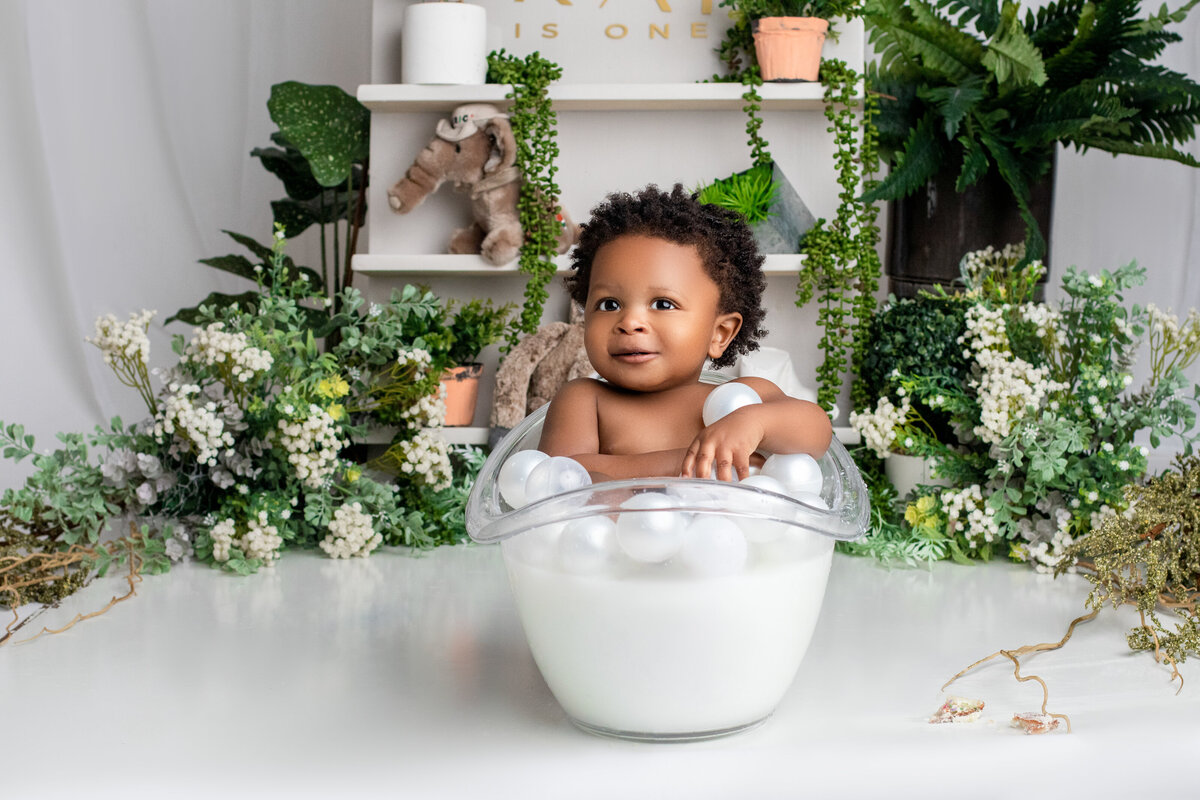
[(725, 329)]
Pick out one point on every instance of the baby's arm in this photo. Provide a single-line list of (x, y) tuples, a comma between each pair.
[(572, 429), (779, 424)]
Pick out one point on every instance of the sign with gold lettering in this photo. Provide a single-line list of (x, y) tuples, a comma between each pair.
[(597, 41)]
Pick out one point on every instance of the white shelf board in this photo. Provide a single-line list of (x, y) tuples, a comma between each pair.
[(441, 265), (598, 96)]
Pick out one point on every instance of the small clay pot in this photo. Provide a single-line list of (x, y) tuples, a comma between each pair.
[(789, 48), (462, 393)]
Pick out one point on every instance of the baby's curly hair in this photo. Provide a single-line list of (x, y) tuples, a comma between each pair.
[(723, 238)]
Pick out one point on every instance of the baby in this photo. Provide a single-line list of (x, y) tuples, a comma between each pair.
[(667, 283)]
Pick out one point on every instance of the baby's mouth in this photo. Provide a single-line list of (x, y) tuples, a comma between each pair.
[(634, 356)]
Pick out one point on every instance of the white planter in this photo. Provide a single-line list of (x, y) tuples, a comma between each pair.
[(443, 43), (905, 472)]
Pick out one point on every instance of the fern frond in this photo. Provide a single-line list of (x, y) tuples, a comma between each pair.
[(913, 31), (984, 13), (975, 164), (918, 161), (1052, 27), (953, 103), (1119, 146), (1011, 56), (1009, 167)]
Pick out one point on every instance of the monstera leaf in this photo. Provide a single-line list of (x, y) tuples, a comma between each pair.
[(329, 127)]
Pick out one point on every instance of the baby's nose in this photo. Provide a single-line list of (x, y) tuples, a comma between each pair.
[(631, 322)]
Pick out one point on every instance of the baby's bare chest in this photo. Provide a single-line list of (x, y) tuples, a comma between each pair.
[(639, 424)]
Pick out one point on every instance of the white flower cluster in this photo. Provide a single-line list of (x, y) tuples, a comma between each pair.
[(420, 360), (1174, 336), (350, 533), (426, 457), (261, 540), (878, 427), (123, 340), (200, 426), (967, 512), (429, 411), (222, 535), (1008, 386), (213, 345), (1047, 553), (1045, 319), (312, 444)]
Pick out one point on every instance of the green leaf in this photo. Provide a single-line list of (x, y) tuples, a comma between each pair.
[(247, 301), (290, 167), (328, 126), (1011, 56), (919, 160)]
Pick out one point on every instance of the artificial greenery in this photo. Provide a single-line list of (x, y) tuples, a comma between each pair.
[(1037, 434), (971, 89), (749, 193), (1150, 558), (535, 128), (321, 157), (477, 324), (841, 268), (915, 336)]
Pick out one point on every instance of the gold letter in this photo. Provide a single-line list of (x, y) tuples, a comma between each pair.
[(550, 30), (616, 31), (518, 36), (663, 5), (664, 31), (706, 6), (699, 30)]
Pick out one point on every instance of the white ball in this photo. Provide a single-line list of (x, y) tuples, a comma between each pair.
[(649, 530), (515, 472), (812, 499), (761, 528), (585, 544), (798, 472), (725, 399), (554, 476), (713, 546)]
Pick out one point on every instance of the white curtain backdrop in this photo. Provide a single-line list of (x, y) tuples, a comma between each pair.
[(125, 131)]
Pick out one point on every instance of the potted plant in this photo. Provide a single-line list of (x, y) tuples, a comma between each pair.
[(782, 37), (477, 324), (974, 100)]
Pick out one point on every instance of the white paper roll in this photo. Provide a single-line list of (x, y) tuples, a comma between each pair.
[(443, 43)]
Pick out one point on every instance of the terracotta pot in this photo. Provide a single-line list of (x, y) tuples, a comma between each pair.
[(905, 472), (462, 393), (789, 48)]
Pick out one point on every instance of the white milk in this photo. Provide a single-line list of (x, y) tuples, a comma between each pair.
[(649, 649)]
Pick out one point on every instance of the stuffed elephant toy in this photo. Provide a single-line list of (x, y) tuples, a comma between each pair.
[(475, 150)]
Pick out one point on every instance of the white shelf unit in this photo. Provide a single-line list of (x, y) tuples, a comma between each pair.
[(433, 266), (400, 97)]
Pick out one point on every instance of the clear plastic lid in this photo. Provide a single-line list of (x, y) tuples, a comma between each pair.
[(490, 519)]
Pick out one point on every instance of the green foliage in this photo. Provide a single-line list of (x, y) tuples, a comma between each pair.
[(1150, 558), (750, 193), (972, 88), (841, 267), (535, 128), (320, 155), (477, 324), (1025, 408)]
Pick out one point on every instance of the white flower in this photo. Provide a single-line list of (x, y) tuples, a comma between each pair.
[(123, 340), (350, 533), (312, 443), (878, 428), (212, 345), (1123, 465), (191, 426)]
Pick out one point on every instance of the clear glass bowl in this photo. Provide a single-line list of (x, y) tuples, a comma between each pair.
[(684, 620)]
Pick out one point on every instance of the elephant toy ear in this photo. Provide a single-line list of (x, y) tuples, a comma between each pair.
[(503, 146)]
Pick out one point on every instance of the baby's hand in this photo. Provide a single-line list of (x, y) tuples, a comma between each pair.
[(729, 444)]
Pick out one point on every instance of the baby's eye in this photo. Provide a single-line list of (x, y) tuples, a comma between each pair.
[(607, 304), (663, 304)]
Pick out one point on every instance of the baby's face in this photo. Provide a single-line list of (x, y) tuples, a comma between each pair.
[(651, 318)]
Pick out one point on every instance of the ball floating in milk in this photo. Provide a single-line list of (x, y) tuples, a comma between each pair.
[(798, 472), (649, 531), (554, 476), (515, 473), (585, 545), (713, 546), (811, 499), (727, 398), (762, 528)]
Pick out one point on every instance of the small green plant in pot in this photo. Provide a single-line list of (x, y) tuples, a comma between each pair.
[(477, 324), (783, 38)]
